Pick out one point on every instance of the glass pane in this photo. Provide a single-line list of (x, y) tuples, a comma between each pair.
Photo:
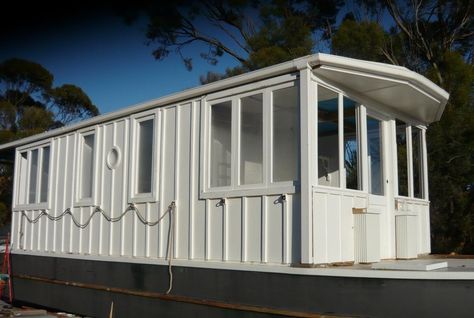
[(286, 133), (44, 175), (251, 139), (402, 163), (221, 143), (22, 190), (33, 176), (374, 152), (87, 166), (145, 156), (417, 163), (328, 141), (351, 145)]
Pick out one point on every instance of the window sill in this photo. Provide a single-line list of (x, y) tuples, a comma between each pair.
[(84, 203), (337, 190), (257, 190), (412, 200), (148, 198), (35, 206)]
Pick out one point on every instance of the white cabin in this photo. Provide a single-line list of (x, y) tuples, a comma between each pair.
[(318, 160)]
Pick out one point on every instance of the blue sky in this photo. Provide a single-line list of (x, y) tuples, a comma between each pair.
[(109, 60)]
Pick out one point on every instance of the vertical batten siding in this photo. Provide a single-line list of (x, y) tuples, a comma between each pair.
[(168, 174), (216, 229), (244, 230), (274, 228), (234, 229), (122, 201), (103, 238), (183, 183), (254, 228), (193, 177), (67, 188)]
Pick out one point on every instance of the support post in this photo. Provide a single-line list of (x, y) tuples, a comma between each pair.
[(308, 160)]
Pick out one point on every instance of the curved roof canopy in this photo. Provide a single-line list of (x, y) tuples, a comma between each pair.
[(391, 86)]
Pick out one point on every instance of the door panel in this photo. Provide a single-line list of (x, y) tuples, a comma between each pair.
[(375, 156)]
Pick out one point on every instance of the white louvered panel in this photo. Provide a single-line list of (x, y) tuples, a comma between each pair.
[(366, 238), (406, 236)]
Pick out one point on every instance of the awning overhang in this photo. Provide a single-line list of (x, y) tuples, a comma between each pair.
[(395, 87)]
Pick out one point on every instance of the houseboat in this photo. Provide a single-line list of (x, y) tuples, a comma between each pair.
[(258, 195)]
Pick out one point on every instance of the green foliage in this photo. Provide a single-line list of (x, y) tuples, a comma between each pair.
[(25, 76), (30, 104), (72, 103), (35, 120), (451, 154), (7, 114), (361, 40), (254, 33)]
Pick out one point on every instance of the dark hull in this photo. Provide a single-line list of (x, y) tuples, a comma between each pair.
[(138, 291)]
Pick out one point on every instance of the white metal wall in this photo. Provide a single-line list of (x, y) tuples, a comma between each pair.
[(259, 228)]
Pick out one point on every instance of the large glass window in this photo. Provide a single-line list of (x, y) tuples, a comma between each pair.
[(402, 157), (33, 176), (286, 134), (221, 144), (145, 156), (351, 145), (44, 175), (251, 139), (375, 157), (328, 137), (404, 169), (87, 166), (417, 162)]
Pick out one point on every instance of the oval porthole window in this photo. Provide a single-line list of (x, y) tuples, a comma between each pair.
[(113, 158)]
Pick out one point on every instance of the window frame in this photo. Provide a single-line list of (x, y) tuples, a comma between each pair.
[(369, 106), (135, 120), (410, 162), (24, 188), (267, 187), (90, 201), (360, 115)]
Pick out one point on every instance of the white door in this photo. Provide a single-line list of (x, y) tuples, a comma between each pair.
[(375, 158), (378, 176)]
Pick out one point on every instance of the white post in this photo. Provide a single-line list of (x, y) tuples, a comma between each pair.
[(308, 160), (410, 162), (425, 165)]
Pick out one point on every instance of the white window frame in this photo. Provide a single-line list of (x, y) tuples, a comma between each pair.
[(367, 105), (135, 120), (23, 187), (410, 166), (91, 201), (267, 187), (360, 120)]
